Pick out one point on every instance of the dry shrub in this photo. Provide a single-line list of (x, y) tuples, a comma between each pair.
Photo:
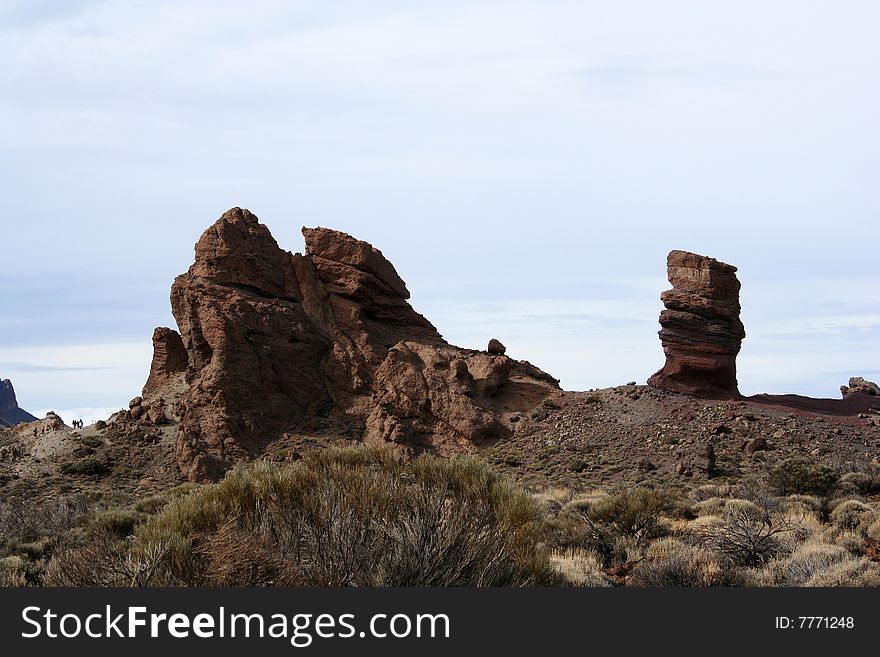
[(22, 522), (579, 568), (853, 572), (851, 542), (873, 531), (745, 533), (808, 507), (852, 515), (665, 547), (98, 557), (18, 572), (347, 517), (616, 527), (633, 513), (805, 562), (687, 567)]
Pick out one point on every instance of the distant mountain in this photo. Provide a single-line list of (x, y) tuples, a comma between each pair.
[(10, 413)]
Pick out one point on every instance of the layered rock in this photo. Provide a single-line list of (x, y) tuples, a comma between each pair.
[(274, 340), (700, 330), (10, 413)]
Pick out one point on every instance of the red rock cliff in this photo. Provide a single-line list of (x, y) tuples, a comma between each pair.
[(274, 339)]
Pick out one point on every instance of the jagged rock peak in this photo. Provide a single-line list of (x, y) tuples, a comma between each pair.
[(10, 413), (700, 330), (169, 359), (338, 247), (276, 341)]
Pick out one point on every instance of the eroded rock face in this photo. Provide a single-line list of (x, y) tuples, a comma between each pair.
[(700, 330), (859, 384), (10, 413), (169, 359), (273, 340)]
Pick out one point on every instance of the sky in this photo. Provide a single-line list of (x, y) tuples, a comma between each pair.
[(525, 165)]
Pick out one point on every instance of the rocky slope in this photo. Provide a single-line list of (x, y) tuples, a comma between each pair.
[(701, 331), (275, 340), (10, 413)]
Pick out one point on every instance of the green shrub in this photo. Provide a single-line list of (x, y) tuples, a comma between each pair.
[(634, 513), (119, 522), (797, 475), (91, 441), (343, 517), (88, 467)]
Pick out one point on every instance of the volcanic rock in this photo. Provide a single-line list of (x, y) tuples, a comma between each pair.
[(169, 359), (858, 384), (10, 413), (495, 347), (274, 340), (700, 330)]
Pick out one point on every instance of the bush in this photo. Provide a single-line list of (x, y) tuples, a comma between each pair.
[(88, 467), (91, 441), (852, 515), (579, 568), (873, 531), (689, 567), (797, 475), (744, 533), (854, 572), (120, 522), (633, 513), (805, 562), (26, 523), (98, 557), (343, 517)]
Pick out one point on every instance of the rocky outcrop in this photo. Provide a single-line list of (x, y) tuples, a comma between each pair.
[(10, 413), (700, 330), (858, 384), (169, 360), (274, 340)]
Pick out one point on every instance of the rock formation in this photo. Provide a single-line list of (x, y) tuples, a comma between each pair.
[(700, 330), (859, 384), (10, 413), (169, 359), (274, 340)]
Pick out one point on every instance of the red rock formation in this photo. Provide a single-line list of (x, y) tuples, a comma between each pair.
[(169, 359), (275, 339), (700, 330)]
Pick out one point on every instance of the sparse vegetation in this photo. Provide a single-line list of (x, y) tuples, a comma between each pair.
[(87, 467)]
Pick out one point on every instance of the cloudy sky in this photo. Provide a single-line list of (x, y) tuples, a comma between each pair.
[(525, 165)]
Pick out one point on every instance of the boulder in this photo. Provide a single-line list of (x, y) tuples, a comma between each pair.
[(495, 347)]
